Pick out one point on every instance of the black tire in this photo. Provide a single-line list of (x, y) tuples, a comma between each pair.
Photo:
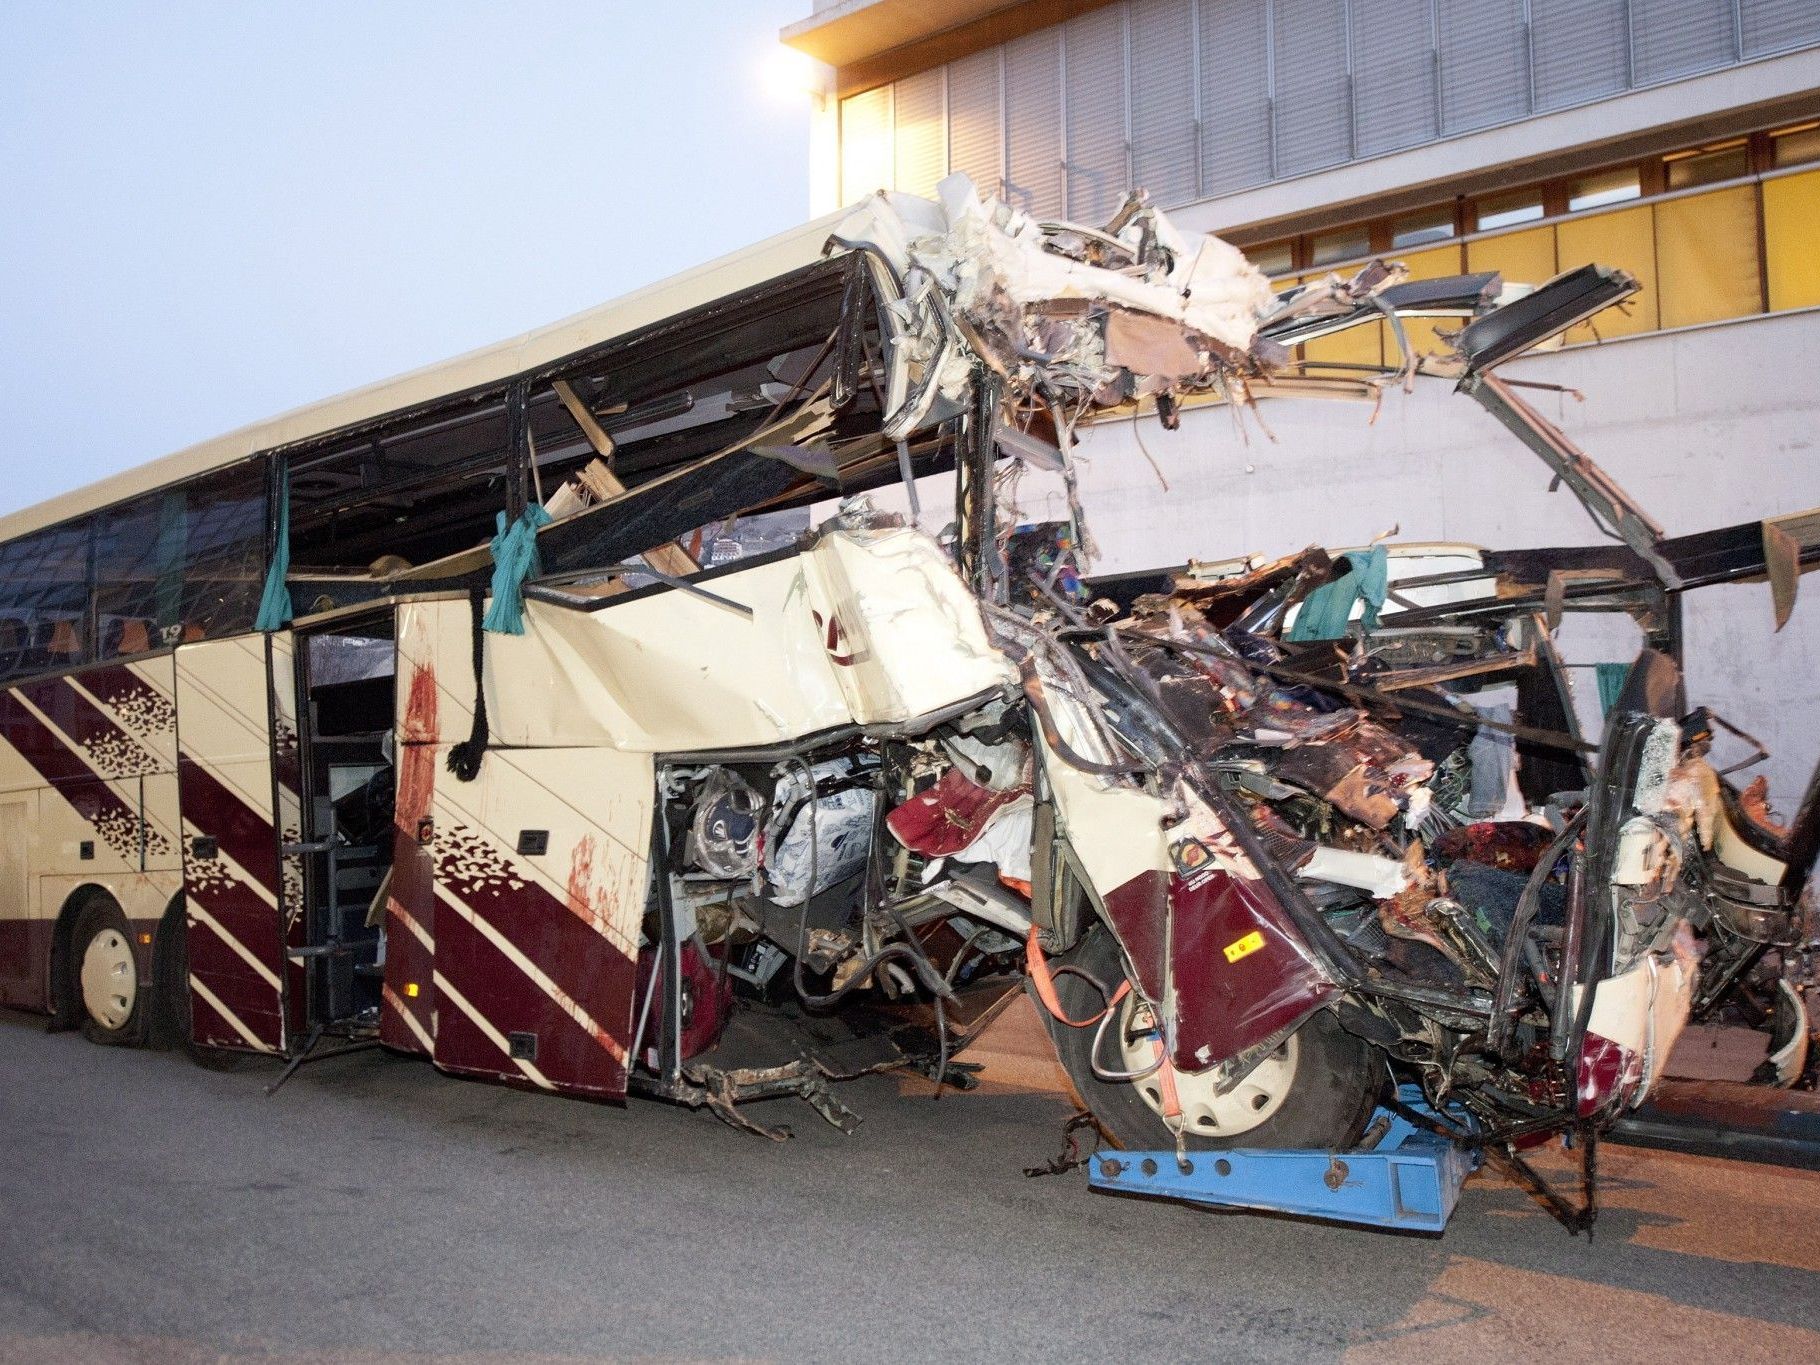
[(102, 976), (172, 1025), (1334, 1087)]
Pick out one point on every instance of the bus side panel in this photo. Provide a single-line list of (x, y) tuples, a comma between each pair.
[(98, 746), (523, 891), (231, 879), (408, 1003), (541, 945), (135, 720)]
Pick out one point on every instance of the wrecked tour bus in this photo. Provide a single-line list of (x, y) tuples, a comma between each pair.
[(515, 714)]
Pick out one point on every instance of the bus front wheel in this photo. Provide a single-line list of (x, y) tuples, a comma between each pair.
[(1316, 1091)]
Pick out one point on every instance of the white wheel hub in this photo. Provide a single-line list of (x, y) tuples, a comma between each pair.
[(110, 979), (1204, 1113)]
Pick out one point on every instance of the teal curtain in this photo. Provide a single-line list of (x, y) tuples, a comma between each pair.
[(1611, 682), (514, 560), (1327, 610), (169, 556), (275, 604)]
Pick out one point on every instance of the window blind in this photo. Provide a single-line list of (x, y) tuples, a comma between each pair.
[(1094, 62)]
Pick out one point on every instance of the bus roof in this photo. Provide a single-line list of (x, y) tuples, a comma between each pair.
[(753, 265)]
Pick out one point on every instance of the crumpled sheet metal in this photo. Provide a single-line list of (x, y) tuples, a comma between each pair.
[(974, 247), (1039, 313), (1240, 975)]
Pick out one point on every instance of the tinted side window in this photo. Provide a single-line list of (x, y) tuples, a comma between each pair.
[(183, 564), (138, 572), (44, 588), (224, 572)]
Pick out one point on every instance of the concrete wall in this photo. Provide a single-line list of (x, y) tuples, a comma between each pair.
[(1704, 427)]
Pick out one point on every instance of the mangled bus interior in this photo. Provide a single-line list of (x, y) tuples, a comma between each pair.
[(621, 743)]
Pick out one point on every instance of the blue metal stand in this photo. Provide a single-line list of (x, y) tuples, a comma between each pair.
[(1408, 1178)]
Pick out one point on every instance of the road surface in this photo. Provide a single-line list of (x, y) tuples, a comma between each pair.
[(376, 1211)]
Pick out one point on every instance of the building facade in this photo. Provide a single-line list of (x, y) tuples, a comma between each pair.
[(1679, 139)]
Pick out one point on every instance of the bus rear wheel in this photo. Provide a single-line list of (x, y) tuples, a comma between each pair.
[(104, 972), (173, 1024)]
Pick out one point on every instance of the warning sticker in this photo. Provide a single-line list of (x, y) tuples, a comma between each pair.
[(1244, 947)]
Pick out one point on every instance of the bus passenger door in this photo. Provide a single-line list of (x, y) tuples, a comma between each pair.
[(233, 889)]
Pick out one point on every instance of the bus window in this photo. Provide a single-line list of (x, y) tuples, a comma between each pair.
[(184, 564), (417, 491), (44, 600), (223, 551), (138, 570), (14, 638)]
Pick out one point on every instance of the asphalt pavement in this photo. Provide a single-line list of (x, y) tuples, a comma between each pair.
[(374, 1210)]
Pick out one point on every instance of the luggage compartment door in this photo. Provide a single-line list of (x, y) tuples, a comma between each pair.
[(232, 887)]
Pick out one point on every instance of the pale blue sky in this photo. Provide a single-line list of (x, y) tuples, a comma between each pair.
[(213, 210)]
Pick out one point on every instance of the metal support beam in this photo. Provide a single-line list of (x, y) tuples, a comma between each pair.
[(1597, 491), (975, 513)]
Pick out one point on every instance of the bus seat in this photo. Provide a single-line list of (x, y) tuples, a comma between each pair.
[(135, 638), (65, 642)]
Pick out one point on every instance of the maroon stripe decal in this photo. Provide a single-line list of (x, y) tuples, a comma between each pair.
[(236, 908), (242, 832), (562, 940), (210, 1028), (109, 749), (138, 705), (56, 762), (212, 890), (113, 817), (228, 889), (112, 752), (567, 1052), (408, 963), (395, 1031), (462, 1047), (25, 962), (247, 995)]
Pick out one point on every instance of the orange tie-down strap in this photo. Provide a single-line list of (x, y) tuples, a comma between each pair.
[(1044, 981), (1165, 1079)]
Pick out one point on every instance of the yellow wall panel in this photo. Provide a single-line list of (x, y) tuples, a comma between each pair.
[(1706, 257), (1791, 233), (1359, 345), (1526, 257), (1431, 264), (1355, 346), (1626, 239)]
